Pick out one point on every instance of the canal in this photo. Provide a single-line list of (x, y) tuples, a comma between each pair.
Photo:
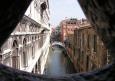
[(58, 63)]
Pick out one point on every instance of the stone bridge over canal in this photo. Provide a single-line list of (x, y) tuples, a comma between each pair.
[(58, 44)]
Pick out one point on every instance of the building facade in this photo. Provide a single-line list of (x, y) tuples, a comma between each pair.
[(67, 28), (85, 49), (27, 47), (89, 52)]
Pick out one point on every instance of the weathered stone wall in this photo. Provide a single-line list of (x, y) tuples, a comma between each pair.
[(89, 51), (101, 14)]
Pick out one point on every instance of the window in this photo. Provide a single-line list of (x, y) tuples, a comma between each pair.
[(24, 59), (15, 62), (88, 44), (87, 63), (35, 4), (95, 43), (15, 57), (24, 55), (82, 40)]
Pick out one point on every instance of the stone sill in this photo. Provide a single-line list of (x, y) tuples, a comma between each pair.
[(7, 73)]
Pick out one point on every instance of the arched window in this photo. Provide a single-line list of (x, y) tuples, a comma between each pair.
[(24, 59), (24, 54), (42, 8), (15, 59)]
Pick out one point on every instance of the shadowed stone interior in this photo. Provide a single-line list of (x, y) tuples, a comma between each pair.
[(101, 14)]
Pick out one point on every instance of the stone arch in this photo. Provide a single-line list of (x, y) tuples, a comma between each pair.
[(24, 53), (32, 38), (35, 37), (15, 58), (24, 44), (30, 27), (24, 41), (15, 43), (43, 7), (33, 48)]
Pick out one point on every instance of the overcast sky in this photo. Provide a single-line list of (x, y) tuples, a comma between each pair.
[(60, 9)]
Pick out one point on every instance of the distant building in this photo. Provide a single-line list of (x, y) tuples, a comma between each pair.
[(67, 27), (55, 35)]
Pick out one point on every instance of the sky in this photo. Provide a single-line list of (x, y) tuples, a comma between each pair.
[(61, 9)]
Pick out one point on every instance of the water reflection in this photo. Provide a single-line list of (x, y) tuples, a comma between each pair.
[(58, 63)]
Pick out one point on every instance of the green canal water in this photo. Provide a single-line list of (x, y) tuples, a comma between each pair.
[(58, 63)]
